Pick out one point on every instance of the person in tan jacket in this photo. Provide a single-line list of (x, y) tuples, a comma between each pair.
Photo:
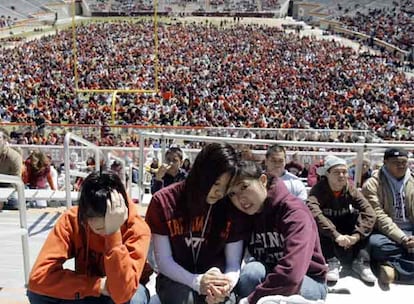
[(391, 193), (10, 164)]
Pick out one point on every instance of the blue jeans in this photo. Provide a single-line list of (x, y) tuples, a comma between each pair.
[(254, 273), (385, 251), (141, 296)]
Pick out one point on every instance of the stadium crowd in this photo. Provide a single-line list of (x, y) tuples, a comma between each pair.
[(394, 24), (235, 76)]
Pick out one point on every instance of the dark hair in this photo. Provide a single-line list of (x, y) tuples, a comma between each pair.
[(249, 170), (211, 162), (174, 150), (96, 189), (275, 148), (90, 161)]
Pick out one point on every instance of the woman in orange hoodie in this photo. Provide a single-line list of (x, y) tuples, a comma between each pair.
[(109, 242)]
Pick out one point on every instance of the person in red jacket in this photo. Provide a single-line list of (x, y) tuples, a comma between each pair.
[(286, 256), (109, 242)]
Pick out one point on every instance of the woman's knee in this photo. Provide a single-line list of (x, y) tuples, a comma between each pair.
[(253, 271), (141, 296)]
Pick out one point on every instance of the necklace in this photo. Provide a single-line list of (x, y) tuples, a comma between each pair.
[(196, 254)]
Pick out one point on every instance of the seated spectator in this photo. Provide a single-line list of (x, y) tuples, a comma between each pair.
[(275, 164), (36, 172), (170, 172), (186, 165), (109, 242), (284, 242), (313, 176), (294, 166), (198, 235), (90, 167), (390, 191), (345, 219), (153, 167), (10, 164), (305, 171), (365, 174)]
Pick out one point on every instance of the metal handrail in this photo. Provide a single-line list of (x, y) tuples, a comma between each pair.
[(16, 180), (359, 148), (66, 144)]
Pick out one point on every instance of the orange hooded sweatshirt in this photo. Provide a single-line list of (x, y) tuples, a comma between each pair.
[(120, 257)]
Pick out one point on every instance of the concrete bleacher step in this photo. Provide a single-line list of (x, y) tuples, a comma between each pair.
[(13, 296)]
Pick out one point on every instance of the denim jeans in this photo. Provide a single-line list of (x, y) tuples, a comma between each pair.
[(172, 292), (141, 296), (254, 273), (385, 251)]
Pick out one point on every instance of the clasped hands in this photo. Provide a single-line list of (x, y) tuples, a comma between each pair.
[(215, 285), (347, 241)]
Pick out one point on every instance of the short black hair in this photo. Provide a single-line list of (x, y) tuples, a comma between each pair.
[(96, 190), (174, 150)]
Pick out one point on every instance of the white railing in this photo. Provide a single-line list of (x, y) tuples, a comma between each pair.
[(355, 151), (359, 148), (15, 180), (68, 138)]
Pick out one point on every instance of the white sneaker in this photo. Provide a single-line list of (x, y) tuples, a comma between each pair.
[(334, 266), (294, 299), (363, 269)]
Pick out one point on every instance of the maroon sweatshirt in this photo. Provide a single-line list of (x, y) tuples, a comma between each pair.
[(285, 239), (165, 218)]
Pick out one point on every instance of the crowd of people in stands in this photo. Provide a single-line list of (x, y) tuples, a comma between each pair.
[(393, 24), (236, 76)]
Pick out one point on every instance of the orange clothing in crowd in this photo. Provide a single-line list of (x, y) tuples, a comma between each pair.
[(121, 257)]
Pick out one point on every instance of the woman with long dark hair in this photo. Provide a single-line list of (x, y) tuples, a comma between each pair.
[(197, 234)]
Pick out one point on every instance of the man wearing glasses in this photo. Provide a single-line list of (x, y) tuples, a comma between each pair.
[(391, 192)]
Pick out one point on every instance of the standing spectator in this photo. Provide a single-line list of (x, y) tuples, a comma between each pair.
[(390, 191), (10, 164), (170, 172), (109, 242), (284, 243), (275, 164), (198, 235), (345, 219)]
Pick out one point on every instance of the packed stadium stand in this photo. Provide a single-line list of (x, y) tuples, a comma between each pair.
[(229, 79)]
